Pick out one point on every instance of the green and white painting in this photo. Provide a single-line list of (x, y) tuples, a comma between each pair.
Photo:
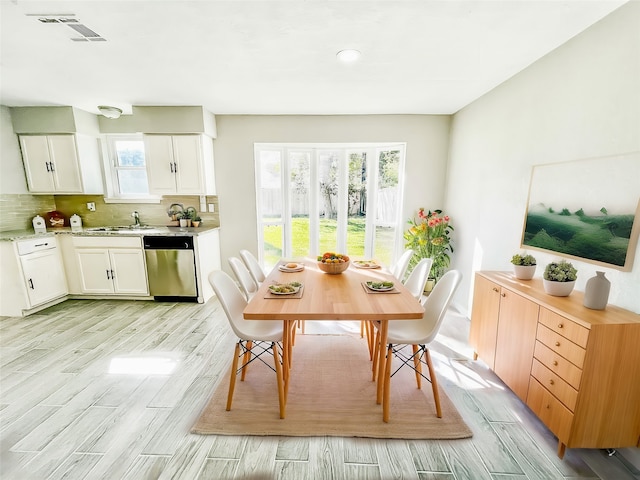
[(586, 209)]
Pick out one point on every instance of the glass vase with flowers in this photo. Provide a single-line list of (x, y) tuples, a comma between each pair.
[(429, 236)]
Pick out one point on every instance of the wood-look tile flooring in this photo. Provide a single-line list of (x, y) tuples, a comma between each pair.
[(66, 415)]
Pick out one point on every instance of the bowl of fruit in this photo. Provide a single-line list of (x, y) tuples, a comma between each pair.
[(333, 263)]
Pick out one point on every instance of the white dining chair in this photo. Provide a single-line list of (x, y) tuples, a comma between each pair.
[(418, 277), (415, 284), (399, 270), (252, 264), (248, 285), (419, 334), (254, 337)]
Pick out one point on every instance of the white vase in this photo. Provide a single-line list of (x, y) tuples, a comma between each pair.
[(596, 292), (524, 272), (558, 289), (184, 222)]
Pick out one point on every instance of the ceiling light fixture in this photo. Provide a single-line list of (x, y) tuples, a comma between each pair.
[(348, 55), (110, 112)]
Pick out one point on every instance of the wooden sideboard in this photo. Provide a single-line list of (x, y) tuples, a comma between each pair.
[(577, 369)]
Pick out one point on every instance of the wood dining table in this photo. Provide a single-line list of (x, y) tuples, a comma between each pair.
[(330, 297)]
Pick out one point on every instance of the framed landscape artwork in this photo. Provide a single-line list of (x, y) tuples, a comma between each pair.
[(586, 209)]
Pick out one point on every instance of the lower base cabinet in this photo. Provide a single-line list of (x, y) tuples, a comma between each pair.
[(111, 266), (577, 369)]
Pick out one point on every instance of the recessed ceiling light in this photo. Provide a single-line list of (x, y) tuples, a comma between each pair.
[(348, 56), (110, 112)]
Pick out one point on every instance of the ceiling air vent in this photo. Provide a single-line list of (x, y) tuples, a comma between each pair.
[(88, 35)]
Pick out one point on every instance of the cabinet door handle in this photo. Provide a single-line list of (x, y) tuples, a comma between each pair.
[(108, 277), (495, 289), (171, 166), (503, 294), (175, 167), (51, 165), (46, 164), (113, 275), (31, 284)]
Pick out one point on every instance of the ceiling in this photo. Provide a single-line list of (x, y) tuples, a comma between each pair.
[(279, 57)]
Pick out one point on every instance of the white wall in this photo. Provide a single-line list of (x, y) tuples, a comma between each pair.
[(426, 137), (13, 179), (580, 101)]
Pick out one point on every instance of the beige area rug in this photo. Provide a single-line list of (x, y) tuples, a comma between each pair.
[(330, 394)]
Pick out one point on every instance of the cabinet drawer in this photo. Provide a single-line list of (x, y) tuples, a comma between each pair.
[(552, 382), (558, 364), (565, 327), (107, 242), (561, 345), (549, 409)]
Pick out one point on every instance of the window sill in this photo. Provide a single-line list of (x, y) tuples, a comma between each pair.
[(132, 200)]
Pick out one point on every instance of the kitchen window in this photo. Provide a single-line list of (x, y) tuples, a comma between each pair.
[(125, 169)]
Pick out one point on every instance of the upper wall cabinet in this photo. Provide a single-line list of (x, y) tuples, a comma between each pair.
[(53, 164), (180, 164), (60, 149)]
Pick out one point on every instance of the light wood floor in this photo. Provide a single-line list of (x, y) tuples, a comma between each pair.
[(65, 416)]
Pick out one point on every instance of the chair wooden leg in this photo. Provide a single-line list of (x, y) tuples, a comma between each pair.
[(434, 383), (246, 358), (386, 396), (232, 376), (293, 332), (417, 365), (280, 380), (370, 333), (376, 355)]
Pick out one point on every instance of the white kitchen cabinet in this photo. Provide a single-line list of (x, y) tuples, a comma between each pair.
[(52, 163), (44, 276), (111, 266), (31, 275), (179, 164)]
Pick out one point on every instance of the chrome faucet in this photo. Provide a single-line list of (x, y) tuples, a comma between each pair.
[(136, 218)]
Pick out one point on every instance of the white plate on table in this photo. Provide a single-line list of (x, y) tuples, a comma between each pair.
[(365, 264), (291, 290), (299, 267), (374, 286)]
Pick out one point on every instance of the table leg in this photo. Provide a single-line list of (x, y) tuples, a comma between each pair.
[(382, 352), (286, 354)]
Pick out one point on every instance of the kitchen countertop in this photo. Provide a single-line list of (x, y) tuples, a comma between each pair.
[(87, 231)]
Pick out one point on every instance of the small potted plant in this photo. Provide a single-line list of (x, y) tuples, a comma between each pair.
[(559, 278), (184, 218), (195, 221), (524, 266)]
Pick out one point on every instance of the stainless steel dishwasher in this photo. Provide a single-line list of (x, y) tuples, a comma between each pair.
[(171, 267)]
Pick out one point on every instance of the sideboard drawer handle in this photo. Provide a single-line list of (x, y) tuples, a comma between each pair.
[(560, 325), (555, 363), (557, 344), (551, 382)]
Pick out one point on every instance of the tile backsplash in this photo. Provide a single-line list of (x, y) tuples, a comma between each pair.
[(17, 211)]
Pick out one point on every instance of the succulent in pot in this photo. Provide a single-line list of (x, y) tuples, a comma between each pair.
[(559, 278), (524, 266)]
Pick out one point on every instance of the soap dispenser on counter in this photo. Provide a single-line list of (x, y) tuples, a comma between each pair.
[(76, 223)]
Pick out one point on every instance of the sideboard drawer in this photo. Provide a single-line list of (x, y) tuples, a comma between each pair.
[(565, 327), (552, 382), (558, 364), (561, 345), (550, 410)]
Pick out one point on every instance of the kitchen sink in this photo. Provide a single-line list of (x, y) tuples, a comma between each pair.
[(125, 228)]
